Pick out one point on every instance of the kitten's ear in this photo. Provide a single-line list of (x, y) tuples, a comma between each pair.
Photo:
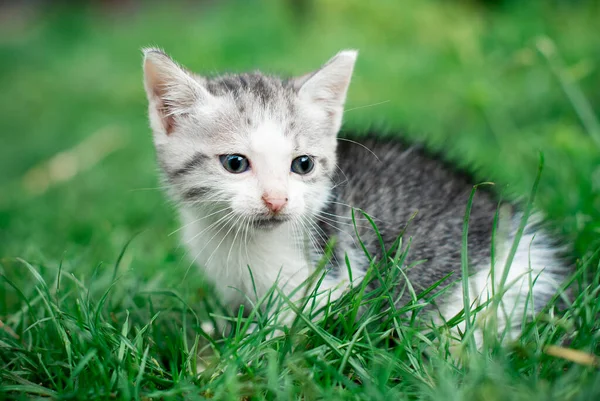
[(171, 90), (329, 84)]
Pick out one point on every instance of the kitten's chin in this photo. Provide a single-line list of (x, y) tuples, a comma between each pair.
[(269, 223)]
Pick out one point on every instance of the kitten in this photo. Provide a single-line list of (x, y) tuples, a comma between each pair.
[(262, 181)]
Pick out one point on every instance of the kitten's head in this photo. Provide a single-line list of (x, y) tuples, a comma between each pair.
[(259, 147)]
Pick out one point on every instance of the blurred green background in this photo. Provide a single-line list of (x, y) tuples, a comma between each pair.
[(491, 84)]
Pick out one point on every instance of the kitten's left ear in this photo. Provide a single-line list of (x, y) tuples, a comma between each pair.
[(329, 85)]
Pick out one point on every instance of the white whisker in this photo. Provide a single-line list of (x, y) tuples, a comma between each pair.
[(196, 221), (234, 238), (367, 105), (189, 240), (222, 225), (223, 239), (359, 144)]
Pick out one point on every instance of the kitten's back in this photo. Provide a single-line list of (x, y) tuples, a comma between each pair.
[(393, 181)]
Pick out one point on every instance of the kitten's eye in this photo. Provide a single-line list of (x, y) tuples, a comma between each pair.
[(235, 164), (302, 165)]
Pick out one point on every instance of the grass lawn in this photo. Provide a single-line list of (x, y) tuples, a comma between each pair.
[(95, 301)]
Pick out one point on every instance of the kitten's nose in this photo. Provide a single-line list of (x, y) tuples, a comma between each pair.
[(275, 204)]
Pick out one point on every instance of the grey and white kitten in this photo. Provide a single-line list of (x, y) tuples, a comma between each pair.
[(262, 182)]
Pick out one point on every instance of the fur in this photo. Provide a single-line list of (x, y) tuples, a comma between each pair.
[(270, 120)]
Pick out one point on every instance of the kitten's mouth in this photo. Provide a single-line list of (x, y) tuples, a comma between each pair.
[(269, 222)]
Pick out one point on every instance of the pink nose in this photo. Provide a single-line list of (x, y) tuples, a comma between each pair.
[(274, 204)]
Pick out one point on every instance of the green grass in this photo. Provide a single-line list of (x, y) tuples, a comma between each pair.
[(94, 299)]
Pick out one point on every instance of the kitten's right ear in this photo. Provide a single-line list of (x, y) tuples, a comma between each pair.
[(329, 84), (171, 90)]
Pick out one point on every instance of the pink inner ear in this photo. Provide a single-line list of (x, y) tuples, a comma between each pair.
[(167, 120), (156, 85)]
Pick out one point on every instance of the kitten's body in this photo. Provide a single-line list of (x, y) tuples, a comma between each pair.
[(231, 223)]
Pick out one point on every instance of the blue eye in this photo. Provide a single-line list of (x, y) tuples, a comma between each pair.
[(302, 165), (235, 164)]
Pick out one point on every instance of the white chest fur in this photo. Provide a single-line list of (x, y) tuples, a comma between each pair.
[(242, 261)]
